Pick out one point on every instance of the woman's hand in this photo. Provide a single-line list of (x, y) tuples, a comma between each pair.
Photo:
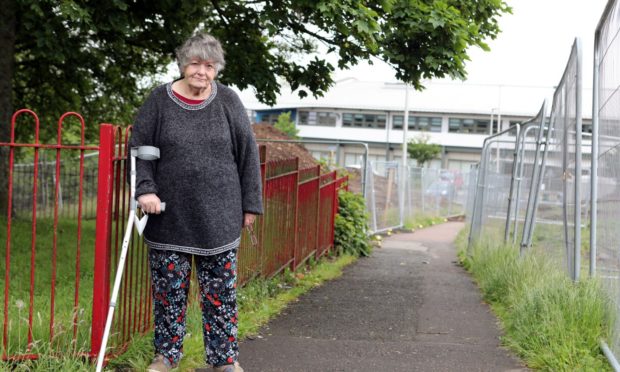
[(248, 219), (150, 203)]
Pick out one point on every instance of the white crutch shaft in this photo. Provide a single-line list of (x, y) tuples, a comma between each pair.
[(117, 286)]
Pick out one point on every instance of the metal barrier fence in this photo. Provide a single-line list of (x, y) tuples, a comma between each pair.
[(435, 193), (546, 160), (54, 301), (605, 173), (471, 192), (558, 221), (427, 193), (529, 160), (385, 187), (495, 186)]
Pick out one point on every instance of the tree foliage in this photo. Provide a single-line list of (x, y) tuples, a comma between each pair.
[(99, 57), (422, 151)]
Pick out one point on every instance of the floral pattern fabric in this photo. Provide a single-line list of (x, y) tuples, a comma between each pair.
[(217, 278)]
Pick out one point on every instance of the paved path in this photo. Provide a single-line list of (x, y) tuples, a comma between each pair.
[(408, 307)]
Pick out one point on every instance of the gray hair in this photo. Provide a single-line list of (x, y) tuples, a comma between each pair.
[(203, 46)]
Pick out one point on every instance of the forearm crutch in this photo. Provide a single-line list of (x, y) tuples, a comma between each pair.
[(144, 153)]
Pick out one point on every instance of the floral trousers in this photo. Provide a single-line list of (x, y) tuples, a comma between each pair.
[(217, 278)]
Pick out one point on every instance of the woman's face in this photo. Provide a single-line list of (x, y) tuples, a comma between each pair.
[(199, 73)]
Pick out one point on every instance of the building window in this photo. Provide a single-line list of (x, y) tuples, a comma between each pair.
[(462, 125), (420, 123), (319, 118), (270, 118), (363, 120), (327, 119)]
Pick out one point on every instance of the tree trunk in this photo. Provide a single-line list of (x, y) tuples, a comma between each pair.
[(7, 51)]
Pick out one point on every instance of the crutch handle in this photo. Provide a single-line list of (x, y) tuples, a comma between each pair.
[(162, 205)]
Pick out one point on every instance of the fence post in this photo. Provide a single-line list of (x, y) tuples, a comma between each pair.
[(101, 281), (513, 177), (296, 217), (262, 151), (334, 210), (317, 246)]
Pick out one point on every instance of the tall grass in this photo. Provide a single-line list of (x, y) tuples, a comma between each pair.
[(551, 322)]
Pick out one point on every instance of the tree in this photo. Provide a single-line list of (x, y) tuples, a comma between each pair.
[(422, 151), (286, 125), (100, 57)]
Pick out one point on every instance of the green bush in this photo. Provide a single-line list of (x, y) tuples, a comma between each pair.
[(351, 227), (286, 125)]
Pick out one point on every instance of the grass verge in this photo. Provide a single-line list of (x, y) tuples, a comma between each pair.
[(420, 222), (552, 323)]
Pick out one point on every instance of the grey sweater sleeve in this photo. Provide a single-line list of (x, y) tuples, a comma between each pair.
[(246, 153), (144, 133)]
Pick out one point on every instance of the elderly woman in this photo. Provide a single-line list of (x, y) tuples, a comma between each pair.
[(209, 176)]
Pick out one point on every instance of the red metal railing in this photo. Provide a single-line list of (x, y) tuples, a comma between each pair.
[(327, 211), (298, 223), (280, 215), (251, 257), (68, 318), (308, 197)]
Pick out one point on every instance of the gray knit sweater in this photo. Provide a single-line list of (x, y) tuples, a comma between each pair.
[(208, 172)]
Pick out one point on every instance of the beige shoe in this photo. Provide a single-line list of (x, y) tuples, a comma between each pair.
[(228, 368), (160, 364)]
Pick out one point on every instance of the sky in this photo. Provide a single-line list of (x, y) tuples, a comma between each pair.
[(532, 48)]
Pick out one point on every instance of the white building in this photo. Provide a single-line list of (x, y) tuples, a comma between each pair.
[(457, 116)]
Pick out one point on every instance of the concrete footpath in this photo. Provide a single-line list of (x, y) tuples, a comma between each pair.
[(408, 307)]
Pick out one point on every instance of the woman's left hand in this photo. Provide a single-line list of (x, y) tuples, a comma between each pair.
[(248, 219)]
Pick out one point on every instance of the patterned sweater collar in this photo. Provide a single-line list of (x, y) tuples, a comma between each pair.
[(186, 106)]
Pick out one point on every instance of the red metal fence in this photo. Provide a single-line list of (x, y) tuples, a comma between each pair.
[(53, 297), (49, 254)]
